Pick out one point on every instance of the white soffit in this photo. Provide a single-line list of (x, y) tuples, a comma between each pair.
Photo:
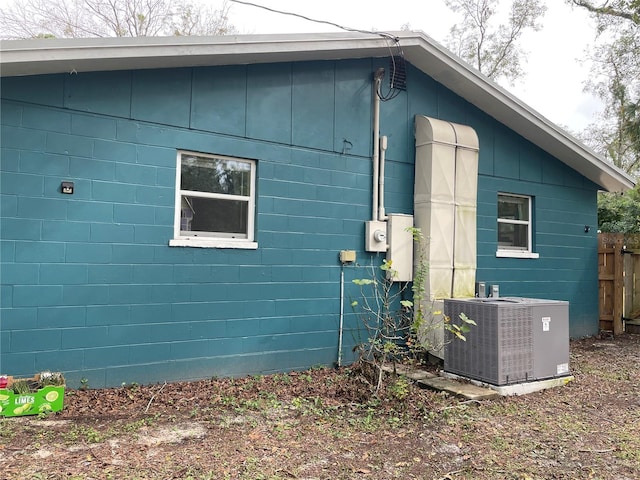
[(47, 56)]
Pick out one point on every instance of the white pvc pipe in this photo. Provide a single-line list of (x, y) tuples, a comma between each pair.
[(377, 79), (383, 148)]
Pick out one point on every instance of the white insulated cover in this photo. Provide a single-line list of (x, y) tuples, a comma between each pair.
[(445, 204), (436, 221), (466, 200)]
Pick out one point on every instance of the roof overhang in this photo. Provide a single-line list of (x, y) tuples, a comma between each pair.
[(48, 56)]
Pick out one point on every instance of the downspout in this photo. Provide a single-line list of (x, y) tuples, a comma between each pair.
[(377, 80)]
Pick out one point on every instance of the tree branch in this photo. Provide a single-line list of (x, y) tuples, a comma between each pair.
[(605, 9)]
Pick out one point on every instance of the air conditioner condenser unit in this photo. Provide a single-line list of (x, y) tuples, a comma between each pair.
[(515, 340)]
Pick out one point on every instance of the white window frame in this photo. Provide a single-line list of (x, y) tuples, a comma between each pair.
[(517, 252), (214, 239)]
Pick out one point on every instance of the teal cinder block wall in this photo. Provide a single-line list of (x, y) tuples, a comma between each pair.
[(90, 286)]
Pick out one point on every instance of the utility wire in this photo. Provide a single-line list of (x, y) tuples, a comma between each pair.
[(326, 22)]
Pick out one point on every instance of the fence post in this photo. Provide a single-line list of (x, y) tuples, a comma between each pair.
[(618, 285)]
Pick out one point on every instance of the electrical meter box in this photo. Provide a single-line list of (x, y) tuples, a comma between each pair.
[(375, 236)]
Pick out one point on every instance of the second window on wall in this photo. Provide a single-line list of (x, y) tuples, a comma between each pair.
[(514, 225)]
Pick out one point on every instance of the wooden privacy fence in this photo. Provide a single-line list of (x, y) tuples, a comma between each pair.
[(619, 282)]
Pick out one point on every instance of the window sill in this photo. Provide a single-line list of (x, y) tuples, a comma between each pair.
[(213, 243), (516, 254)]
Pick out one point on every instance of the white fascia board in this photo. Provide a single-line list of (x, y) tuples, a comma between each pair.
[(33, 57)]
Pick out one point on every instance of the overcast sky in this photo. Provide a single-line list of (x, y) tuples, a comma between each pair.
[(555, 67)]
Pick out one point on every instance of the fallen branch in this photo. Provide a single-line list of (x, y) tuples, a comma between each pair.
[(605, 450), (154, 396)]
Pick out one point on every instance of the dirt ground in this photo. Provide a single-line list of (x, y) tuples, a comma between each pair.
[(322, 424)]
